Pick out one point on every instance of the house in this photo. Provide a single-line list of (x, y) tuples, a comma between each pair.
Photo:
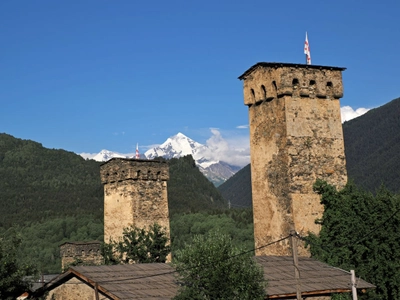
[(158, 280)]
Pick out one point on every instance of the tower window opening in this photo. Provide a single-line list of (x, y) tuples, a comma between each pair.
[(329, 83), (312, 82), (295, 81), (274, 85), (264, 92), (252, 93)]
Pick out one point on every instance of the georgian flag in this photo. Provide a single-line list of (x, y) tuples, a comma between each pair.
[(307, 51), (137, 156)]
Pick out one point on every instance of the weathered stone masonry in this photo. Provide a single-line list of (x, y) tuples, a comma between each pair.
[(295, 137), (135, 193), (87, 252)]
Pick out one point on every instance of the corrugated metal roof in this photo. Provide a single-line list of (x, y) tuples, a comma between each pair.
[(158, 281), (137, 281), (315, 277)]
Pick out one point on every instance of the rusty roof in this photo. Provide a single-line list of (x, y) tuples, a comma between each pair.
[(316, 278), (137, 281), (291, 65), (158, 281)]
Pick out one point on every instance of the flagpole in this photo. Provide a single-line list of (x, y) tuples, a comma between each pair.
[(307, 51)]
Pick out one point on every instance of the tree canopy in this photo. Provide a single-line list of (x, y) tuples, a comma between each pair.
[(210, 267), (360, 231), (138, 245), (12, 271)]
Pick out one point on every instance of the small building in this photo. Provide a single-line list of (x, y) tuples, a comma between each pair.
[(83, 252), (158, 281)]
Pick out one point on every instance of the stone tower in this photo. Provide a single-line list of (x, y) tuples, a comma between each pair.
[(296, 137), (84, 252), (135, 193)]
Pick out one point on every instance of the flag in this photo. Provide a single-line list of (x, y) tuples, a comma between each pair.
[(307, 51), (137, 156)]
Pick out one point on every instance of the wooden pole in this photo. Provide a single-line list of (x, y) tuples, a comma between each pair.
[(96, 291), (353, 284), (293, 243)]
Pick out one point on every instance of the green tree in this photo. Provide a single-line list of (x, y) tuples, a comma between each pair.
[(138, 245), (12, 273), (212, 268), (360, 231)]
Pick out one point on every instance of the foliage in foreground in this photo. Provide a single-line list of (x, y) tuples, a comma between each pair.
[(360, 231), (236, 223), (12, 272), (40, 241), (212, 268), (138, 245)]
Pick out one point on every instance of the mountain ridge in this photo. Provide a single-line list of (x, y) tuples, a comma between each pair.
[(178, 146)]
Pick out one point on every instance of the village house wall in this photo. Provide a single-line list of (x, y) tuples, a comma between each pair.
[(74, 289)]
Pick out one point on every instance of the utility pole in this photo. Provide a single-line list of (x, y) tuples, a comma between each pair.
[(353, 284), (293, 243), (96, 291)]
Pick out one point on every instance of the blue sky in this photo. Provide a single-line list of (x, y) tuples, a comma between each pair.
[(90, 75)]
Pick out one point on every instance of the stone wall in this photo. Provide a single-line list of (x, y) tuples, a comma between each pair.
[(75, 289), (135, 193), (88, 252), (295, 137)]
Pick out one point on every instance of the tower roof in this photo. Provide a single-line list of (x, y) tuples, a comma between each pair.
[(290, 65)]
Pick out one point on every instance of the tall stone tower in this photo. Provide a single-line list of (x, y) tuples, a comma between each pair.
[(135, 193), (296, 137)]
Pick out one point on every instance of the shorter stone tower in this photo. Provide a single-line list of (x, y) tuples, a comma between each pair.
[(296, 137), (84, 252), (135, 193)]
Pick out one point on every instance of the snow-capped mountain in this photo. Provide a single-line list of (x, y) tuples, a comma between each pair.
[(105, 155), (177, 146), (180, 145)]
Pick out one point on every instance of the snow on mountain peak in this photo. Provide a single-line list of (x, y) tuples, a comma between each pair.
[(105, 155), (177, 146)]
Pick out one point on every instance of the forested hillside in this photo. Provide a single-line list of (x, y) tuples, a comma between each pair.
[(38, 183), (189, 190), (372, 148), (237, 189)]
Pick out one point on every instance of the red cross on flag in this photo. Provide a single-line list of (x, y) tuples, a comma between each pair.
[(307, 51)]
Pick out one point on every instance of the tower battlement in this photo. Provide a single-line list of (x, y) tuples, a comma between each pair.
[(266, 81), (119, 169)]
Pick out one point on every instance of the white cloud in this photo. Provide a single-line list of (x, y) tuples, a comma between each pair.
[(234, 149), (242, 126), (348, 113)]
